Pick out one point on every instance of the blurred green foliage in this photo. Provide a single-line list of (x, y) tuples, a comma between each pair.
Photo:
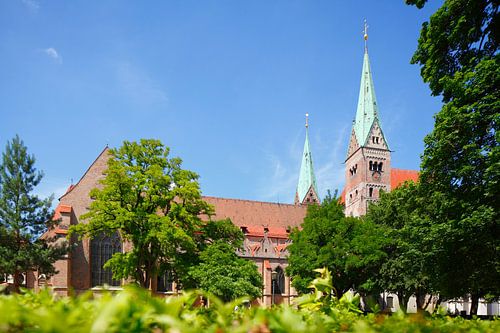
[(135, 310)]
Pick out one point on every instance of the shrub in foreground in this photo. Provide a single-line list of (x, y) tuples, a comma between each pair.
[(135, 310)]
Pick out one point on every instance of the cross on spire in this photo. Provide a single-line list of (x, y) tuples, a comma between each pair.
[(365, 36)]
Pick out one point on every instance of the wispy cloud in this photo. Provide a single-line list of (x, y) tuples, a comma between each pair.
[(283, 168), (328, 157), (330, 174), (52, 186), (139, 87), (32, 5), (53, 54)]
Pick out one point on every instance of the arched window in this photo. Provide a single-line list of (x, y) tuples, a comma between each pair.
[(371, 165), (102, 248), (375, 166), (279, 283), (380, 166)]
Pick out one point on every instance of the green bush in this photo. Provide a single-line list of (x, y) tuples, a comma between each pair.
[(135, 310)]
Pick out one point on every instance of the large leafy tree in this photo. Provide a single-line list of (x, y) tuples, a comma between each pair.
[(408, 269), (458, 52), (350, 248), (153, 204), (24, 217), (218, 269), (222, 273)]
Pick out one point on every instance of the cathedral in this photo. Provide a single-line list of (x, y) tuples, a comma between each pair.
[(266, 225)]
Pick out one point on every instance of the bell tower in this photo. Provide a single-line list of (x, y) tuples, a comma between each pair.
[(368, 161)]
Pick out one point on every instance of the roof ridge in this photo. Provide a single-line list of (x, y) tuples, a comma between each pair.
[(399, 169), (72, 187), (253, 201)]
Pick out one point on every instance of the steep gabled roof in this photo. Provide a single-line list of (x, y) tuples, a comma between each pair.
[(71, 187), (258, 217)]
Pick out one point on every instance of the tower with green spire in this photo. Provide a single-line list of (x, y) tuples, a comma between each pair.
[(368, 162), (307, 190)]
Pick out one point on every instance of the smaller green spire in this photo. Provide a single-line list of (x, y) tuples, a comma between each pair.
[(307, 179)]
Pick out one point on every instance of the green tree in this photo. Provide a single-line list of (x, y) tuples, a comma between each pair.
[(24, 217), (458, 52), (222, 273), (350, 248), (154, 205), (408, 268)]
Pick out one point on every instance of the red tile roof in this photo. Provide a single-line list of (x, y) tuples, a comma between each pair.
[(259, 217), (342, 197), (399, 176), (61, 209)]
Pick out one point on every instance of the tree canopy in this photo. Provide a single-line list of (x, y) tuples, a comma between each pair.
[(351, 249), (408, 269), (24, 217), (458, 52), (222, 273), (155, 206)]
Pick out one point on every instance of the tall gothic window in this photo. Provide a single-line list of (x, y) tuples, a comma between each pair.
[(102, 248), (164, 282), (279, 283)]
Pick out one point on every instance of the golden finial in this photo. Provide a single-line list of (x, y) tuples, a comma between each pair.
[(365, 35), (307, 117)]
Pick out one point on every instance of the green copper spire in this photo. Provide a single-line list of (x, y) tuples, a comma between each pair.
[(307, 180), (367, 112)]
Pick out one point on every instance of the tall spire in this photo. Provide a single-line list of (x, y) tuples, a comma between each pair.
[(307, 190), (367, 112)]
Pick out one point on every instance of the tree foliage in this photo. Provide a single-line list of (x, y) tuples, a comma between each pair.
[(24, 217), (153, 203), (155, 206), (408, 269), (350, 248), (222, 273), (459, 57)]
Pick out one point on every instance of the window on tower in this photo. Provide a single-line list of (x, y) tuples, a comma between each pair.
[(371, 165), (370, 192), (380, 166)]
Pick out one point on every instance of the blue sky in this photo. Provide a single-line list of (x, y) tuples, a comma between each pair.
[(225, 84)]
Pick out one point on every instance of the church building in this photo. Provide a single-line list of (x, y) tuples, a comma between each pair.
[(266, 225)]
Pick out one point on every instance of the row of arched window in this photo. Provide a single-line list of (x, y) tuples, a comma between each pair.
[(375, 166), (104, 246)]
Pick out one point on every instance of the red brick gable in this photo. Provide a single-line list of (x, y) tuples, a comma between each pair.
[(259, 217)]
